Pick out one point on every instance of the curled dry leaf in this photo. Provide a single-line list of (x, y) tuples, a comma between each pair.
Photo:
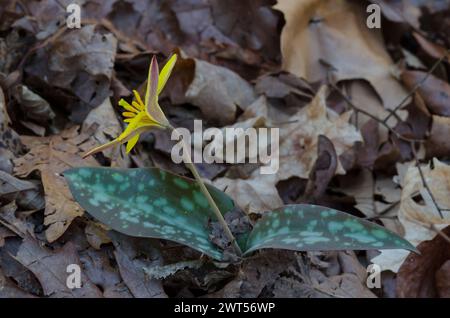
[(16, 223), (417, 212), (34, 106), (51, 156), (27, 194), (216, 90), (426, 274), (335, 32), (435, 92)]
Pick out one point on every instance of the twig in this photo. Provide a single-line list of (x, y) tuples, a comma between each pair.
[(393, 112), (424, 182), (362, 111)]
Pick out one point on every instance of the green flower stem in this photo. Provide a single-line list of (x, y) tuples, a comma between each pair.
[(193, 169)]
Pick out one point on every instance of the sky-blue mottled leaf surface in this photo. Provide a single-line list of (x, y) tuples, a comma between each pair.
[(306, 227), (149, 202)]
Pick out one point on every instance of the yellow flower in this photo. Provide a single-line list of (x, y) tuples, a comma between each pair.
[(142, 116)]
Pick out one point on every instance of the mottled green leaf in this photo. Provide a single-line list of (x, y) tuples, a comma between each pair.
[(306, 227), (148, 203)]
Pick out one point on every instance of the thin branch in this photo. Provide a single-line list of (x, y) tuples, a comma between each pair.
[(362, 111), (425, 184), (393, 112)]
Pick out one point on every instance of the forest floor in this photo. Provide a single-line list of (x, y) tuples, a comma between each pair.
[(361, 101)]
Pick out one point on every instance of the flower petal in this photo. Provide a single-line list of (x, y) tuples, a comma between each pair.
[(132, 142), (151, 94), (151, 97), (165, 72)]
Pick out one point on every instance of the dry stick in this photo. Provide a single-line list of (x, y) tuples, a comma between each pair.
[(362, 111), (393, 112), (215, 208), (424, 182), (410, 140)]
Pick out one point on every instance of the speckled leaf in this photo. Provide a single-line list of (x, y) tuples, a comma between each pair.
[(148, 203), (305, 227)]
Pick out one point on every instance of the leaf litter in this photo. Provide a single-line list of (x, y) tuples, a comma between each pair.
[(363, 117)]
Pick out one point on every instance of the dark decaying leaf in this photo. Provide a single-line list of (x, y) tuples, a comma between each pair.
[(26, 193), (80, 62), (9, 290), (50, 268), (308, 227), (435, 92), (426, 274), (97, 267), (148, 203), (128, 253), (16, 224), (34, 106), (323, 171)]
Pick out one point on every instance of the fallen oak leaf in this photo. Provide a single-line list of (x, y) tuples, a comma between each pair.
[(51, 156)]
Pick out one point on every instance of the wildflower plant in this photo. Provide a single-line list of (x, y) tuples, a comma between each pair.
[(151, 202)]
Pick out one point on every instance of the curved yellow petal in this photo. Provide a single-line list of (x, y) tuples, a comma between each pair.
[(165, 73), (132, 142)]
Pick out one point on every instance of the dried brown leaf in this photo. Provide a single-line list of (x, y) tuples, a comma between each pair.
[(51, 156)]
